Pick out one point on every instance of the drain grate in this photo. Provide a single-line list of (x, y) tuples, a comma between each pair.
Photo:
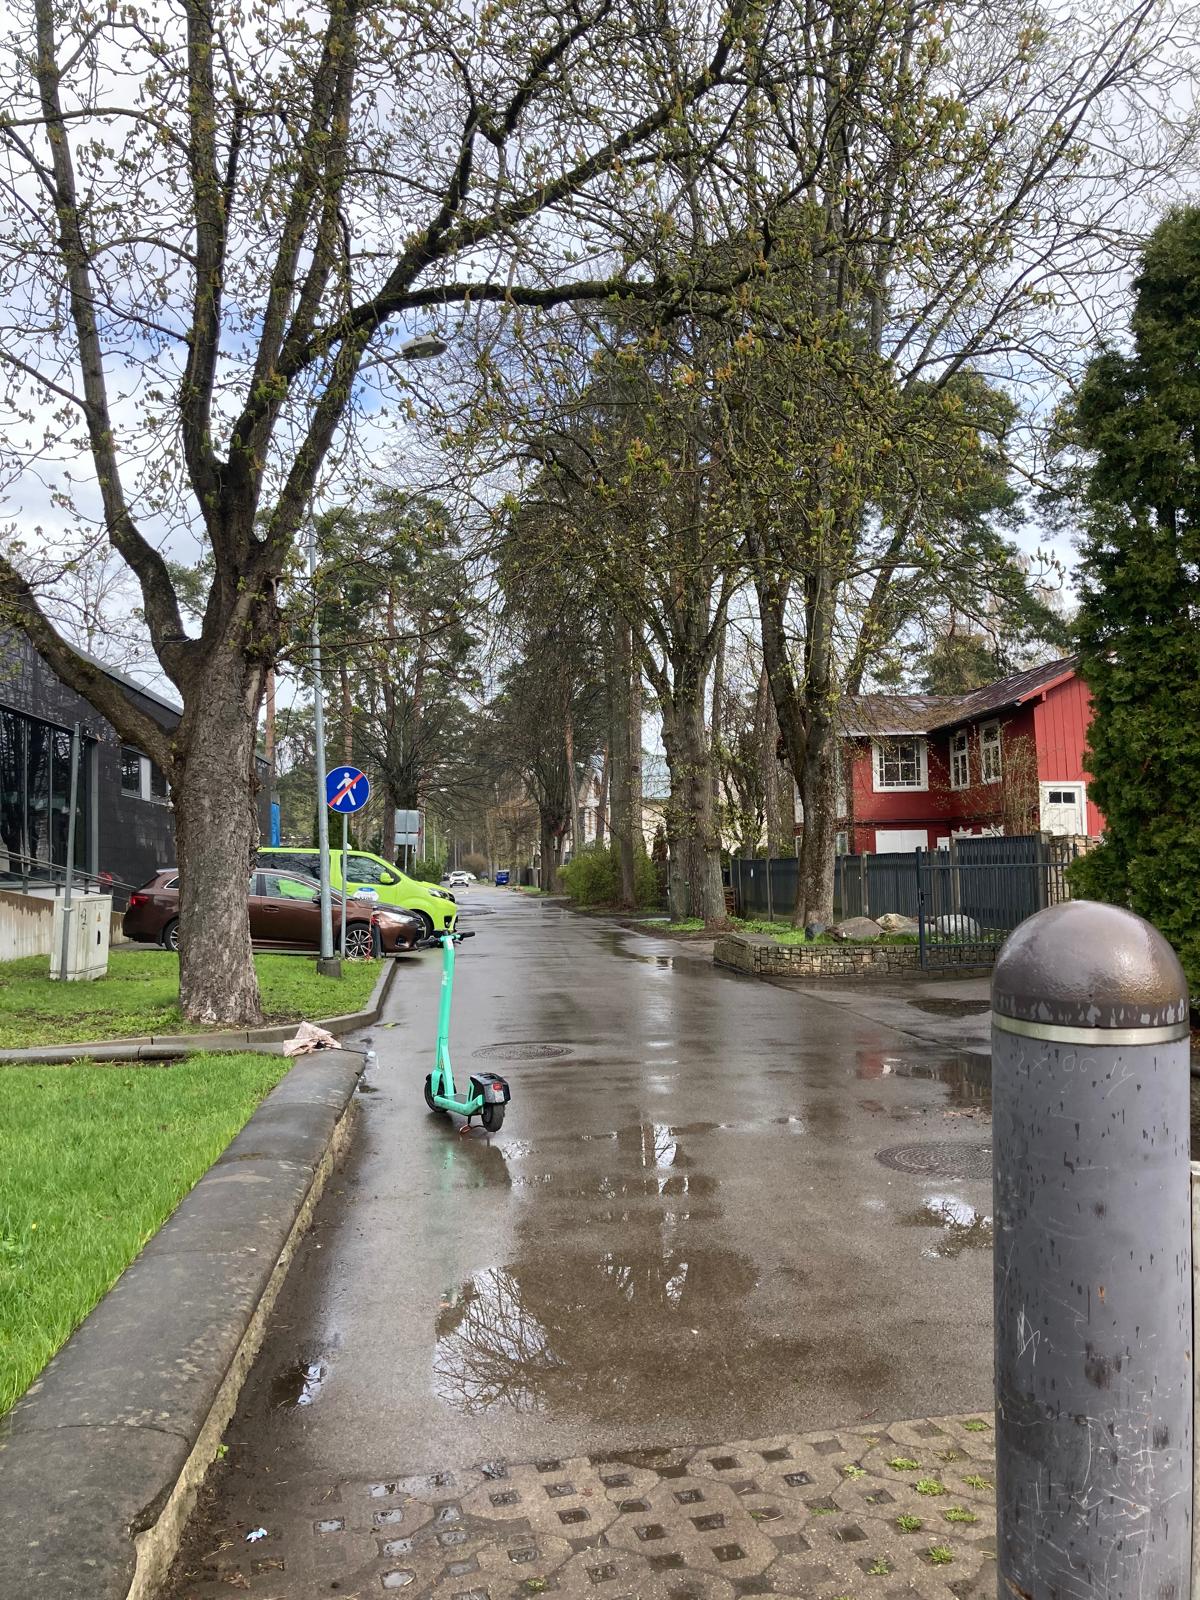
[(519, 1050), (940, 1160)]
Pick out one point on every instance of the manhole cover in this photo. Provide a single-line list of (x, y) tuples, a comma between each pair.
[(517, 1051), (940, 1160)]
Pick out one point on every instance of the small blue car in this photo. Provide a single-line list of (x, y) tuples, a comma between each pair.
[(502, 876)]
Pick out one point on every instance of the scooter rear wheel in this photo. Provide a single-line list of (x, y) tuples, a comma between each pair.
[(429, 1100), (492, 1118)]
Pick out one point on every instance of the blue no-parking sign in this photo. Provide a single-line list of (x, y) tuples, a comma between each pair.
[(346, 789)]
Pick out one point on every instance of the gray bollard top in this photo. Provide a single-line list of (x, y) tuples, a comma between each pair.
[(1090, 968)]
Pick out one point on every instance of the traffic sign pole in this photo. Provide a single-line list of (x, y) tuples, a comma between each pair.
[(345, 881), (346, 791)]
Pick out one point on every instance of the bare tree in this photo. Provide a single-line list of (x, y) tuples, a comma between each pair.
[(217, 226)]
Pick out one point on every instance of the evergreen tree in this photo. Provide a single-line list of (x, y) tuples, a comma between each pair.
[(1138, 420)]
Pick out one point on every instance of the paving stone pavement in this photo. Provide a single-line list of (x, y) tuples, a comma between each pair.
[(860, 1514)]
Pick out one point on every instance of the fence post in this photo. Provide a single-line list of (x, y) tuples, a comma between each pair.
[(770, 904), (955, 878), (864, 881), (1093, 1302), (922, 931)]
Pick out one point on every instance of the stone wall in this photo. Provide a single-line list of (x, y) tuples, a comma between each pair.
[(763, 957)]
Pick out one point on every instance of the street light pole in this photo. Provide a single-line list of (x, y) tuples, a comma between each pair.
[(326, 963)]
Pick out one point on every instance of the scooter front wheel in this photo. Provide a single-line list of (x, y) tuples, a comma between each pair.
[(492, 1117), (429, 1100)]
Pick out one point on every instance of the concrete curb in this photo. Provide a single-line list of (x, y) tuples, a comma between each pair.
[(101, 1460), (175, 1046)]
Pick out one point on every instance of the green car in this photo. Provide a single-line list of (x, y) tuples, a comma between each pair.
[(434, 906)]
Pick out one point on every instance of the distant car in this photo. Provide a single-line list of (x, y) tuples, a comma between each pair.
[(285, 914), (459, 880), (502, 875)]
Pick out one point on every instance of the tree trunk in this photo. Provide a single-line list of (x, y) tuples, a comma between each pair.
[(602, 801), (818, 791), (777, 782), (216, 837), (694, 887), (625, 781), (551, 836), (573, 783)]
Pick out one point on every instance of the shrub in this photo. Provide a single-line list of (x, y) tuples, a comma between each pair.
[(593, 877), (425, 869)]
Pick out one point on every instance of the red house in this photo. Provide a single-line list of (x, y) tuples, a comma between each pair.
[(919, 769)]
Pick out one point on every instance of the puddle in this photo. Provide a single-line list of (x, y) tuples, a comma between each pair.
[(968, 1078), (962, 1226), (537, 1336), (298, 1385), (623, 945)]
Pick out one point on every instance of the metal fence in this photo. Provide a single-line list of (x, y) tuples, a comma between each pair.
[(964, 900)]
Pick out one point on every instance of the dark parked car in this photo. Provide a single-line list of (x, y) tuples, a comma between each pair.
[(502, 876), (285, 914)]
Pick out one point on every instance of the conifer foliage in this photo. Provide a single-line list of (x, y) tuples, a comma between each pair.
[(1138, 420)]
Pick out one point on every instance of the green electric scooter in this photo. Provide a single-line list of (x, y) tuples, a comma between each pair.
[(487, 1094)]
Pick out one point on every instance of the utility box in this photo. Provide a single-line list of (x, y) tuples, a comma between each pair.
[(89, 923)]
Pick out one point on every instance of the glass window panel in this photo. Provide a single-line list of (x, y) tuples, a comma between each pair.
[(900, 764), (158, 783), (363, 870), (60, 794), (12, 794), (37, 790), (989, 753), (131, 770)]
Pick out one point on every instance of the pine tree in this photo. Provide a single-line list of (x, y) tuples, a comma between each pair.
[(1138, 419)]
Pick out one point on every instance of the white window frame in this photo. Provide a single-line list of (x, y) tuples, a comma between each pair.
[(960, 746), (990, 745), (144, 790), (878, 749)]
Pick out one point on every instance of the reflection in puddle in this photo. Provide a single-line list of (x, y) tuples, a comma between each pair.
[(964, 1228), (537, 1336), (299, 1385), (968, 1078), (491, 1350)]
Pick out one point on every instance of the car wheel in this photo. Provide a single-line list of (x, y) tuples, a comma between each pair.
[(169, 937), (362, 942), (426, 924)]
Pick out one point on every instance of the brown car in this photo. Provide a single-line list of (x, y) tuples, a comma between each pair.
[(285, 914)]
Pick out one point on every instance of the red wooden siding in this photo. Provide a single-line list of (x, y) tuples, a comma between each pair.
[(1061, 717)]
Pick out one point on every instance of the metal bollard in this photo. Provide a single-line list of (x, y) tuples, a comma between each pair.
[(1093, 1293)]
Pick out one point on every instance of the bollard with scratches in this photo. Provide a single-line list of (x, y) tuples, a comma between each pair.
[(1093, 1267)]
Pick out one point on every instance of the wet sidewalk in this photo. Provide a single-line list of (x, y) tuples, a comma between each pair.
[(716, 1211)]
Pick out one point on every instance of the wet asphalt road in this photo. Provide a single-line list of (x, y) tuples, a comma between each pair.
[(682, 1233)]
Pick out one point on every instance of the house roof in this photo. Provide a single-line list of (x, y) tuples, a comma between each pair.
[(878, 715)]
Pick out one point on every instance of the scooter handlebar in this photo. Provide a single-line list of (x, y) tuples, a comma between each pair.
[(436, 940)]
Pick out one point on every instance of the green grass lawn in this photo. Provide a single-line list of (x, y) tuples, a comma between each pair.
[(141, 995), (93, 1159)]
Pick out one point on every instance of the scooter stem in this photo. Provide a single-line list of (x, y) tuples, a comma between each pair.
[(443, 1066)]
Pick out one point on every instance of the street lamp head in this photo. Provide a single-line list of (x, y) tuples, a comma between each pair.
[(423, 346)]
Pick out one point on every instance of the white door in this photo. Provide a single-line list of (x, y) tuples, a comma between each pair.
[(901, 839), (1063, 809)]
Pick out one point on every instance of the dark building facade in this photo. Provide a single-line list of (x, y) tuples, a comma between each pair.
[(124, 824)]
